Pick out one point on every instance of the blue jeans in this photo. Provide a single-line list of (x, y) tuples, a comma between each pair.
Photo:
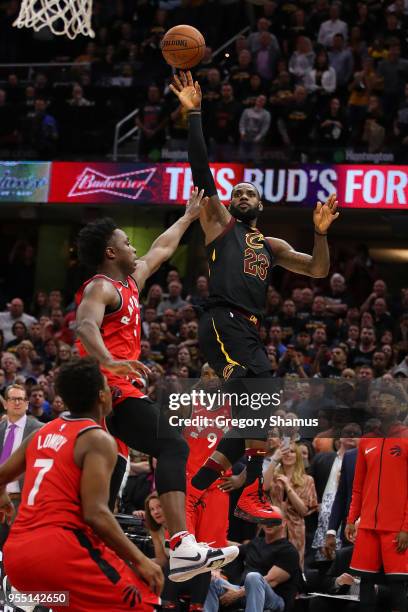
[(258, 594)]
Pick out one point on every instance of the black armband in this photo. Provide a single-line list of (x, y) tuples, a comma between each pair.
[(197, 155)]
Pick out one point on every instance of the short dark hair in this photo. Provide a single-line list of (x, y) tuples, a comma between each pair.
[(248, 183), (78, 383), (93, 240)]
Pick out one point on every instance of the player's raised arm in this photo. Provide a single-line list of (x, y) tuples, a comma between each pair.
[(213, 216), (316, 265), (165, 245)]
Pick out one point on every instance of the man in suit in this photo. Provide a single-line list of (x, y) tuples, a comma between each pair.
[(341, 502), (13, 430)]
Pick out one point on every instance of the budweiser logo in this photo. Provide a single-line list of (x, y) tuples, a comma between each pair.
[(127, 185)]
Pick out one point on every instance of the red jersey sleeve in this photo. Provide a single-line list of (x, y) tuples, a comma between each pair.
[(358, 486)]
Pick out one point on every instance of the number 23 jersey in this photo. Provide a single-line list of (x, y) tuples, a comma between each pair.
[(240, 262)]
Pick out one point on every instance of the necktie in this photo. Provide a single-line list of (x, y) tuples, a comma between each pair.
[(8, 443)]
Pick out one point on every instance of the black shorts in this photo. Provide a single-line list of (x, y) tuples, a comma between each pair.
[(231, 344)]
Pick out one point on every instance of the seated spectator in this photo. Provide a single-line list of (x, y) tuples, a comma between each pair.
[(302, 59), (174, 300), (38, 406), (57, 407), (157, 344), (363, 354), (44, 131), (154, 297), (200, 294), (20, 333), (15, 312), (336, 364), (25, 352), (332, 26), (401, 124), (292, 490), (253, 127), (281, 90), (271, 577), (77, 98), (10, 365)]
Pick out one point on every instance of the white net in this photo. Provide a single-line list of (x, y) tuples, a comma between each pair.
[(63, 17)]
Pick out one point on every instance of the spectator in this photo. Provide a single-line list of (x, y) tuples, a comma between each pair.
[(341, 59), (332, 26), (321, 81), (302, 59), (154, 297), (57, 407), (293, 491), (253, 127), (271, 576), (363, 354), (39, 407), (13, 430), (333, 131), (9, 135), (151, 122), (266, 57), (201, 292), (44, 132), (15, 312), (77, 98), (174, 300), (296, 121), (240, 75), (394, 71), (255, 38), (9, 364), (224, 125), (19, 331)]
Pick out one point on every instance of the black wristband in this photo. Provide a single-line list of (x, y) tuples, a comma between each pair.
[(319, 234)]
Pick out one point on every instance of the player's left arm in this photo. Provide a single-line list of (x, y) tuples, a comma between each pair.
[(316, 265), (165, 245), (11, 470)]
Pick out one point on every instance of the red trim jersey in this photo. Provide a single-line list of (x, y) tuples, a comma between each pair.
[(51, 492), (380, 486), (203, 437), (121, 331)]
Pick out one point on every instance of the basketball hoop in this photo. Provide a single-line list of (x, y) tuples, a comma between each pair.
[(63, 17)]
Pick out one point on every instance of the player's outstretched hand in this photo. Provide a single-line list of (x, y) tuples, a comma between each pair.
[(151, 573), (325, 214), (187, 91), (7, 510), (127, 368), (195, 203)]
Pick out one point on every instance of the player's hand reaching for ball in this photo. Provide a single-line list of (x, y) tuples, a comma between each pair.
[(187, 91), (325, 214), (195, 203), (151, 573), (127, 368)]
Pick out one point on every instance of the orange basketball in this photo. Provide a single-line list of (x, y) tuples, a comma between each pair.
[(183, 46)]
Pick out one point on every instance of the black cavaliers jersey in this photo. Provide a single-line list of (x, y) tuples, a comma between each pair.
[(240, 262)]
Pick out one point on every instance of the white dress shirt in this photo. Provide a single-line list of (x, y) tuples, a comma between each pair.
[(14, 487)]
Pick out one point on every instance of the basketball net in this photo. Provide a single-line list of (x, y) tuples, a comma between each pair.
[(63, 17)]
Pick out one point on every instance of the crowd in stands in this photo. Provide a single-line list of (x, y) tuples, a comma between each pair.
[(310, 79), (348, 328)]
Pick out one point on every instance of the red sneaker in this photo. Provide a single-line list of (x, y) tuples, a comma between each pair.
[(254, 507)]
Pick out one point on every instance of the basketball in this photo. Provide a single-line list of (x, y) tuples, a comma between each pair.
[(183, 46)]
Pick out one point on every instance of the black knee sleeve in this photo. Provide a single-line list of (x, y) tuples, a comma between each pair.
[(231, 448), (170, 472)]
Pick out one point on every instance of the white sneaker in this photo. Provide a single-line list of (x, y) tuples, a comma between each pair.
[(191, 558)]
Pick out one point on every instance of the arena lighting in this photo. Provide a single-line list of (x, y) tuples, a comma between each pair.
[(389, 255)]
